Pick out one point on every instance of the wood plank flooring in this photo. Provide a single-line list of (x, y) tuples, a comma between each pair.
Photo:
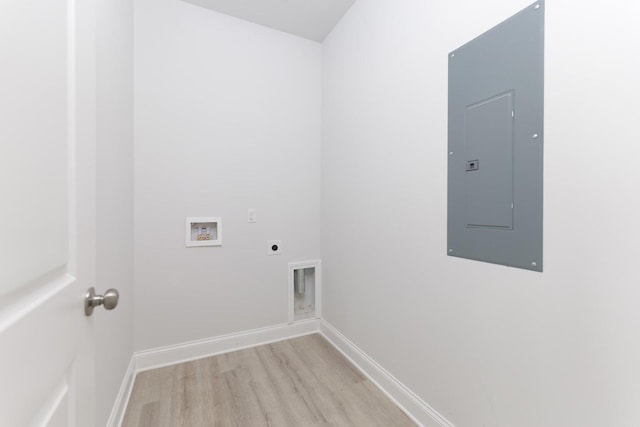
[(295, 383)]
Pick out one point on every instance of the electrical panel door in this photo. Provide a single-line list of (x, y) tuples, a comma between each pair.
[(495, 170)]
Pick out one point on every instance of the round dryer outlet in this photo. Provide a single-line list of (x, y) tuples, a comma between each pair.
[(274, 247)]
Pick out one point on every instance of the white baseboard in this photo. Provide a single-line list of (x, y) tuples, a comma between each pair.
[(120, 405), (170, 355), (411, 404)]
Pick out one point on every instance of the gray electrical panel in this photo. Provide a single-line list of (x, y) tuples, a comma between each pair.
[(495, 171)]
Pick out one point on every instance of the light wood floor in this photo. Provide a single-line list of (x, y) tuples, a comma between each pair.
[(295, 383)]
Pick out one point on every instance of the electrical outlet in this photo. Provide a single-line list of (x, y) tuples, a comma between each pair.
[(251, 215), (274, 247)]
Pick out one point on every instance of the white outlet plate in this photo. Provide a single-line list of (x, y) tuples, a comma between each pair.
[(274, 247), (251, 215)]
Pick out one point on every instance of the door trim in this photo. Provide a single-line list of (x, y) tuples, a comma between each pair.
[(120, 405)]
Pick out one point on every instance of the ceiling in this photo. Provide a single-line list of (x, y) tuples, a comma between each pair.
[(311, 19)]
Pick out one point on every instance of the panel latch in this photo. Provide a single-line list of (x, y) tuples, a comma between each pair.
[(472, 165)]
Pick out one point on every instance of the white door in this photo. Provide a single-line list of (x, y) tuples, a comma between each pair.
[(47, 211)]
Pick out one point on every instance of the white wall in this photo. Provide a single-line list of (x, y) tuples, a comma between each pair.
[(485, 345), (227, 117), (114, 197)]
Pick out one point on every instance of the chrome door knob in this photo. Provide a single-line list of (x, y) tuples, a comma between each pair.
[(109, 300)]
